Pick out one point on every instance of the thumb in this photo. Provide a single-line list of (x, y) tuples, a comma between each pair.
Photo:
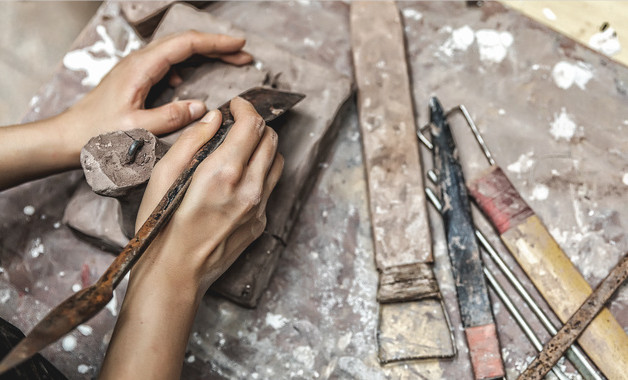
[(167, 170), (171, 116)]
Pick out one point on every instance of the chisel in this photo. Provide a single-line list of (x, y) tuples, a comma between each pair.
[(473, 299)]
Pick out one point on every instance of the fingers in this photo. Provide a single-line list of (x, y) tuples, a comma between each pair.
[(169, 117), (238, 59), (245, 134), (264, 155), (174, 162), (159, 55)]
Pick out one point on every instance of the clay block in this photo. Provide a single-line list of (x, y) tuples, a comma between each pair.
[(305, 136)]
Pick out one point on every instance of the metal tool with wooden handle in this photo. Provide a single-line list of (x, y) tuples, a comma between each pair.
[(466, 263), (549, 268), (83, 305)]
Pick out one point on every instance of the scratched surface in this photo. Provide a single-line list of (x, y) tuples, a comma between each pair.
[(561, 139)]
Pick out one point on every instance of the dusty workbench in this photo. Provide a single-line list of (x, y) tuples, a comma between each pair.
[(563, 141)]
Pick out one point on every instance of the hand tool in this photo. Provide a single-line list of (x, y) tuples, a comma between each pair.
[(549, 268), (577, 323), (412, 322), (503, 296), (464, 253), (84, 304)]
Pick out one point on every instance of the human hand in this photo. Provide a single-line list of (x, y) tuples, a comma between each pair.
[(117, 103), (223, 210)]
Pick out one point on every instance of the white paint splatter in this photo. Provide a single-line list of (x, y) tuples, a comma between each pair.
[(493, 45), (344, 341), (540, 192), (5, 295), (460, 40), (68, 343), (37, 248), (562, 127), (62, 274), (56, 225), (535, 67), (523, 164), (33, 101), (310, 42), (76, 287), (112, 306), (625, 179), (83, 369), (549, 14), (606, 42), (97, 60), (305, 355), (29, 210), (412, 14), (501, 111), (566, 74), (191, 359), (85, 330), (276, 321)]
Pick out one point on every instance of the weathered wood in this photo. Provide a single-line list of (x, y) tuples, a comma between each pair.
[(407, 283)]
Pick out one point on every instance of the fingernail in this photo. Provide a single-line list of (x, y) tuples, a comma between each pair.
[(210, 116), (197, 109)]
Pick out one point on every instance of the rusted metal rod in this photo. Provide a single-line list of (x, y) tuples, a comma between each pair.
[(84, 304), (578, 322)]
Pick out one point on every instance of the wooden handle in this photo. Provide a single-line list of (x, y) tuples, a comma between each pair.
[(549, 268)]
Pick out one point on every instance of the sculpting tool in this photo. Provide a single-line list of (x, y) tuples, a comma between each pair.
[(574, 353), (464, 253), (541, 258), (577, 323), (503, 296), (413, 323), (83, 305)]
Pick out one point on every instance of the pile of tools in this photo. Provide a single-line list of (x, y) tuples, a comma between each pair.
[(387, 123)]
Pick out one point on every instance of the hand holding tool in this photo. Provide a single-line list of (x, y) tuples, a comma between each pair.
[(83, 305)]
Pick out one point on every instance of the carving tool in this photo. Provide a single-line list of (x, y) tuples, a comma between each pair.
[(541, 258), (574, 353), (84, 304), (501, 293), (413, 323), (577, 323), (464, 253)]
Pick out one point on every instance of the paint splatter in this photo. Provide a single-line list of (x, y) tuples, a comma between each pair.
[(276, 321), (68, 343), (493, 45), (606, 42), (566, 74), (83, 369), (76, 287), (29, 210), (549, 14), (56, 225), (191, 359), (540, 192), (523, 164), (112, 306), (85, 330), (412, 14), (5, 295), (625, 179), (37, 248), (305, 355), (562, 127), (97, 60), (460, 40)]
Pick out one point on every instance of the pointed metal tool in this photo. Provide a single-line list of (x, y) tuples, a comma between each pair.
[(83, 305)]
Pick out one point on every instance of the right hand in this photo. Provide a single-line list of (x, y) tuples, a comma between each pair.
[(224, 209)]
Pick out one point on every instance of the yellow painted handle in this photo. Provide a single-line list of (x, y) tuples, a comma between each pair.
[(564, 289)]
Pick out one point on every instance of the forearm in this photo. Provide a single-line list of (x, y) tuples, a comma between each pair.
[(152, 330), (35, 150)]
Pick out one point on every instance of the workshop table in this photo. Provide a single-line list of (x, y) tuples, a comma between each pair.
[(562, 139)]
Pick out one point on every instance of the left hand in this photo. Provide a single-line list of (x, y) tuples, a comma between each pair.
[(117, 103)]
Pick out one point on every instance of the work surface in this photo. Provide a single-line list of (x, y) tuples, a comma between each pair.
[(553, 112)]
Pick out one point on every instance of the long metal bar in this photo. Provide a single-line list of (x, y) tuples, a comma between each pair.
[(503, 296)]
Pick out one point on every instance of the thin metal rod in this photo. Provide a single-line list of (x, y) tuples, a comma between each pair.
[(514, 312), (476, 132), (423, 139), (574, 354)]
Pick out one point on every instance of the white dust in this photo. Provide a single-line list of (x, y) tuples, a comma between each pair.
[(606, 42), (566, 74), (562, 127), (460, 40), (549, 14), (493, 45)]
